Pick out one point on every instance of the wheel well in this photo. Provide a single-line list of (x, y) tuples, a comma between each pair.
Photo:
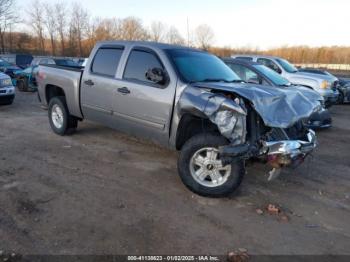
[(190, 126), (53, 91)]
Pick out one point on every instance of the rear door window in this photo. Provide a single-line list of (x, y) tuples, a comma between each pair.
[(270, 64), (139, 62), (106, 61)]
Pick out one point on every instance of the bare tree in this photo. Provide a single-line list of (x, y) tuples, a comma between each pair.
[(51, 25), (157, 31), (173, 36), (8, 18), (132, 29), (60, 15), (37, 21), (106, 29), (204, 36), (79, 22)]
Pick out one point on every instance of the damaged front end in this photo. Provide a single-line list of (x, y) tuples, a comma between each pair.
[(288, 152), (247, 121)]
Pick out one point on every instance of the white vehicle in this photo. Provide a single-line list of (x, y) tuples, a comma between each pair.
[(324, 85), (7, 90)]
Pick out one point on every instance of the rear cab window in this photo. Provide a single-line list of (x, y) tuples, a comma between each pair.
[(139, 62), (106, 61)]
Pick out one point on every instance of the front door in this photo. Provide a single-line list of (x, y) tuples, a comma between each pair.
[(144, 107)]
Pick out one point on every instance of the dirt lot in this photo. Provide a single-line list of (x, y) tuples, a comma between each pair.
[(103, 192)]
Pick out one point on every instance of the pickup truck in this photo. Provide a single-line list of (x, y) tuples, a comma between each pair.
[(187, 100), (324, 85)]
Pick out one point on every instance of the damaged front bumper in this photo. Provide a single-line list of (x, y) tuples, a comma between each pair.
[(290, 153), (278, 154)]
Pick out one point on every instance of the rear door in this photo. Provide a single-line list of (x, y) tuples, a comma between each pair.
[(98, 84), (143, 107)]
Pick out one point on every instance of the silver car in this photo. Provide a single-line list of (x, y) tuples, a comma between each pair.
[(7, 90)]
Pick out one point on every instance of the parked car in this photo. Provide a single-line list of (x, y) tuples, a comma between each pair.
[(252, 72), (9, 69), (7, 90), (20, 60), (185, 99), (324, 85), (343, 85), (26, 79), (344, 91)]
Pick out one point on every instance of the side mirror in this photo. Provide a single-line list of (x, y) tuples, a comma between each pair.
[(156, 75), (254, 80)]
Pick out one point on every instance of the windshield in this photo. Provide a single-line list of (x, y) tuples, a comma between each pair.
[(287, 66), (195, 66), (272, 75)]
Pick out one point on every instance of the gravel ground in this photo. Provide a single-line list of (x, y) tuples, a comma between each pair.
[(103, 192)]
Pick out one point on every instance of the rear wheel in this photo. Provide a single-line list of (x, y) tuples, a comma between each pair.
[(21, 85), (61, 122), (202, 170)]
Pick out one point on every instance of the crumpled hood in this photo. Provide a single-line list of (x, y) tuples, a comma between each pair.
[(279, 107)]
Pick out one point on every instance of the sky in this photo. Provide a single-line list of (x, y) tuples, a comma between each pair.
[(239, 23)]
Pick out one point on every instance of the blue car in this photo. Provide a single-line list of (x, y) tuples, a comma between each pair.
[(26, 79), (9, 69)]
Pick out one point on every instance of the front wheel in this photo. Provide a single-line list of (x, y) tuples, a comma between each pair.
[(61, 122), (202, 170)]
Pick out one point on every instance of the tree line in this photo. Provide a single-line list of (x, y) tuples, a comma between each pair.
[(61, 29)]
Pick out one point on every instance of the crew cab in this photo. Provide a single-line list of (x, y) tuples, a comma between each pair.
[(185, 99), (324, 85)]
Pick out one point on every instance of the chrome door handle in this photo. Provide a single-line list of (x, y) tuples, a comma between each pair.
[(124, 90), (89, 82)]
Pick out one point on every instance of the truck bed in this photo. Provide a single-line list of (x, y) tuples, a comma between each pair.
[(67, 78)]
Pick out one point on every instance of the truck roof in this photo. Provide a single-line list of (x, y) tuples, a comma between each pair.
[(145, 43)]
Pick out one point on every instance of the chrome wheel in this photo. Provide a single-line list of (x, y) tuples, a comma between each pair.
[(207, 169), (57, 116)]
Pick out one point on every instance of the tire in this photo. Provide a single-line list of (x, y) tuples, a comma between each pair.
[(341, 98), (20, 85), (191, 152), (61, 122)]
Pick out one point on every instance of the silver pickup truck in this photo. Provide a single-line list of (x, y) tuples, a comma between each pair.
[(187, 100)]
